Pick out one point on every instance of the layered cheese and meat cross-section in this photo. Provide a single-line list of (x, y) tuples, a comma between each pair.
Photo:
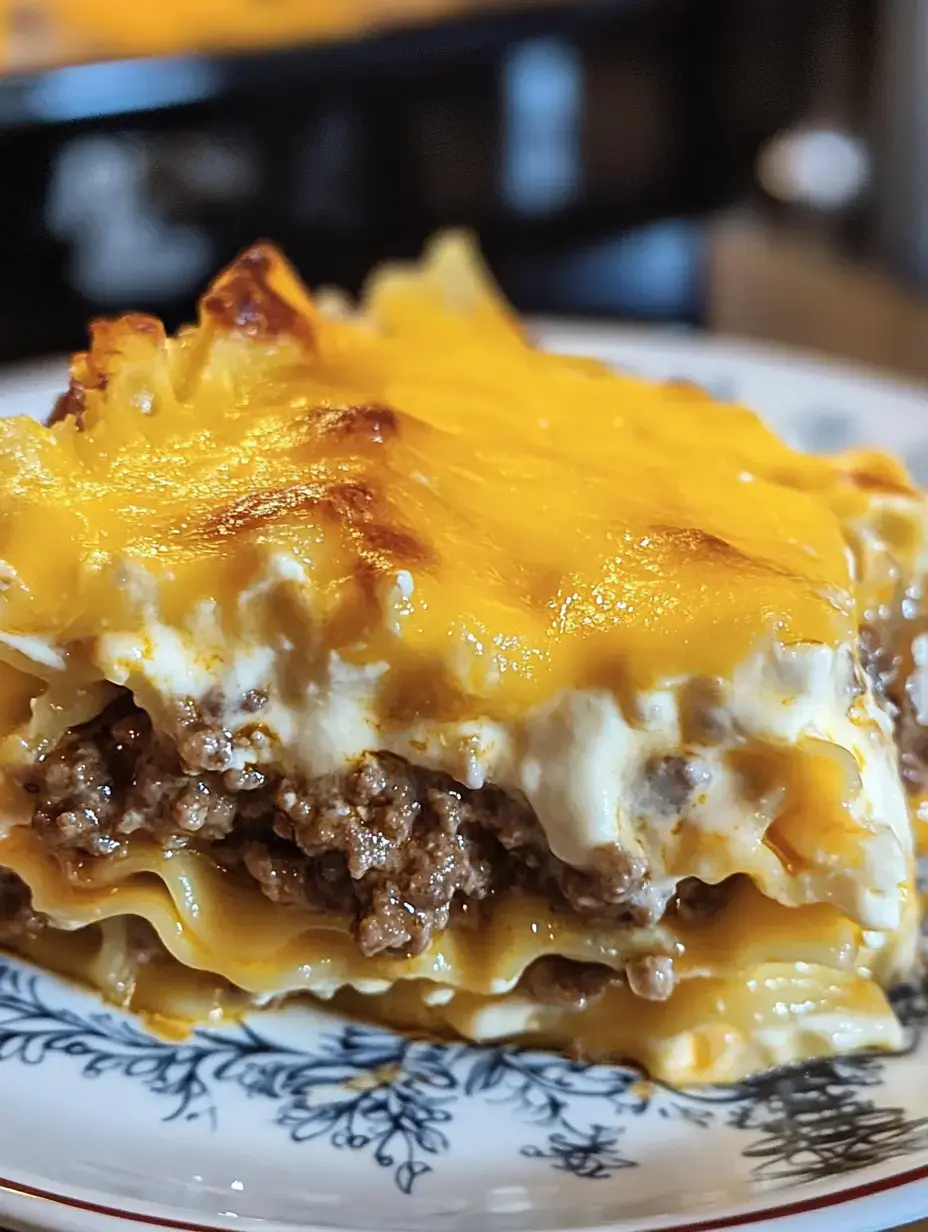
[(371, 652)]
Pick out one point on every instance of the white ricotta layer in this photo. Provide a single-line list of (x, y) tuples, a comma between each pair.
[(578, 759)]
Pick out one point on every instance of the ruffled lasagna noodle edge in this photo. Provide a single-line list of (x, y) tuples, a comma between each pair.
[(763, 985)]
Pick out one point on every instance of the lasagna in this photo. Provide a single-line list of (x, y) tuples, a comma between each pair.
[(370, 652)]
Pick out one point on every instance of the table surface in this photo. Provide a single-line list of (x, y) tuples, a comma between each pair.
[(784, 286)]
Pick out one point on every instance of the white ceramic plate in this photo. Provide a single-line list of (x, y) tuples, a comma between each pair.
[(298, 1120)]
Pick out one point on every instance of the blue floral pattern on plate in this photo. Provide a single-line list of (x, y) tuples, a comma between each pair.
[(394, 1098)]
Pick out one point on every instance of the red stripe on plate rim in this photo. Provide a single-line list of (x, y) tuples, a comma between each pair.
[(802, 1206)]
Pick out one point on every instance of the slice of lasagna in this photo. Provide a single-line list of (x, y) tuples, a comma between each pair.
[(376, 654)]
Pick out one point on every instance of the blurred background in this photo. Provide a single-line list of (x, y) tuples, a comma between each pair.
[(758, 167)]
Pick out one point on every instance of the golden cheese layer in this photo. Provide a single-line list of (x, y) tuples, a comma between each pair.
[(562, 525)]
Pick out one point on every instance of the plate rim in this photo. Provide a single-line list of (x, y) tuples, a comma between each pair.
[(745, 1215)]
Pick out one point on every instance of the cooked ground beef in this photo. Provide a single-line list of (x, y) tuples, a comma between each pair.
[(398, 848), (912, 739), (115, 777), (17, 918), (567, 984), (885, 651), (880, 657), (695, 902), (670, 782), (651, 976), (573, 985)]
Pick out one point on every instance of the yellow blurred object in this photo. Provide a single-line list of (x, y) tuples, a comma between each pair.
[(176, 26)]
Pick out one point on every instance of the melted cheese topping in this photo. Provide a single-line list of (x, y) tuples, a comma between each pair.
[(504, 522)]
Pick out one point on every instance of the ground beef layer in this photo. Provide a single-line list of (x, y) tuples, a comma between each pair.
[(17, 918), (399, 849), (886, 653)]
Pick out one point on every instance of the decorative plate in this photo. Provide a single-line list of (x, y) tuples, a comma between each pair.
[(299, 1120)]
